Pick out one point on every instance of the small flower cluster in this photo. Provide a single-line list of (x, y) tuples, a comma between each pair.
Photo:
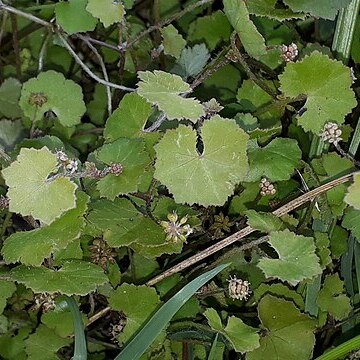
[(239, 289), (70, 166), (101, 253), (212, 107), (267, 188), (289, 52), (4, 202), (91, 171), (221, 224), (331, 133), (176, 230), (116, 329), (37, 99), (45, 301)]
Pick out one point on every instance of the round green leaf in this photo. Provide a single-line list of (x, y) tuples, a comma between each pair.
[(173, 42), (353, 195), (289, 332), (73, 278), (108, 11), (30, 192), (297, 259), (327, 85), (208, 178), (73, 18), (51, 91)]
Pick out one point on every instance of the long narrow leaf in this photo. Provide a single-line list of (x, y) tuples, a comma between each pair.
[(212, 352), (80, 352), (145, 337)]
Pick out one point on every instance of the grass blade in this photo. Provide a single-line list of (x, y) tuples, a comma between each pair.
[(145, 337), (340, 351), (80, 352), (212, 352)]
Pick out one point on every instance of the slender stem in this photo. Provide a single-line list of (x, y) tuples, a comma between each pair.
[(87, 70), (165, 22), (344, 31), (103, 68), (102, 43), (157, 123), (98, 315), (292, 205), (43, 52)]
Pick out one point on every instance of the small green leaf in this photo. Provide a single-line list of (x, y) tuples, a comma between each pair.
[(351, 221), (297, 259), (327, 85), (220, 167), (108, 11), (276, 161), (129, 119), (11, 133), (73, 278), (51, 91), (122, 224), (44, 344), (131, 154), (173, 42), (192, 61), (288, 332), (353, 195), (211, 29), (332, 298), (7, 288), (239, 17), (73, 17), (242, 337), (31, 247), (326, 9), (10, 91), (262, 221), (164, 90), (30, 192), (137, 303)]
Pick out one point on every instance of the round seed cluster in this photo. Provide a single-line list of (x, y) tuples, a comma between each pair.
[(331, 133), (239, 289), (289, 52), (101, 253), (45, 301), (4, 202), (266, 187)]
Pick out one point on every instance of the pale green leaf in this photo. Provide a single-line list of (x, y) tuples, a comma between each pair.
[(164, 90), (326, 9), (192, 61), (276, 161), (211, 29), (239, 17), (208, 178), (289, 332), (73, 18), (11, 133), (123, 225), (30, 192), (173, 42), (327, 85), (137, 303), (73, 278), (269, 8), (242, 337), (108, 11), (132, 155), (332, 298), (31, 247), (51, 91), (297, 259), (353, 195), (263, 221), (44, 344), (7, 288), (9, 98), (322, 243), (129, 119)]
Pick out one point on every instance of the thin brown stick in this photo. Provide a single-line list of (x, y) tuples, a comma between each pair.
[(98, 315), (291, 205)]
